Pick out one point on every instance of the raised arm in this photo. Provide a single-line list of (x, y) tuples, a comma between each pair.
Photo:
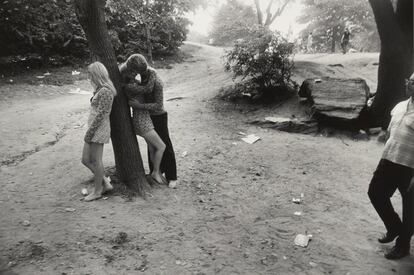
[(147, 88)]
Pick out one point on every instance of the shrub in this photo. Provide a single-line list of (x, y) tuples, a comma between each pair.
[(263, 61)]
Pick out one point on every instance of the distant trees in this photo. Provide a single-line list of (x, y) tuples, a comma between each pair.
[(233, 21), (50, 28), (147, 26), (394, 20), (236, 20), (271, 13), (328, 18)]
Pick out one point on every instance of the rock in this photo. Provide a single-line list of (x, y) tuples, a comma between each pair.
[(289, 125), (336, 102)]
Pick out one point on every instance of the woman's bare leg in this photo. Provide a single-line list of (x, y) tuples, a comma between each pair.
[(157, 146), (86, 160), (95, 161)]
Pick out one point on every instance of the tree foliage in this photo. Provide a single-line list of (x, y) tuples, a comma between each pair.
[(43, 27), (328, 18), (271, 13), (264, 60), (50, 27), (234, 20)]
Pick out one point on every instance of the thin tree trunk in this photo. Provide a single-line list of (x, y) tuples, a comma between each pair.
[(396, 59), (333, 42), (149, 43), (128, 160), (259, 12)]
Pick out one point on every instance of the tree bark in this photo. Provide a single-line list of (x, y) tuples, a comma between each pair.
[(333, 42), (259, 12), (149, 43), (396, 57), (128, 160)]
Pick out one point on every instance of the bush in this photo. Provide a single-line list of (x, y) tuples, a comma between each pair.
[(263, 61)]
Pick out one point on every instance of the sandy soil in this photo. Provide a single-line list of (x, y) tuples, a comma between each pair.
[(232, 212)]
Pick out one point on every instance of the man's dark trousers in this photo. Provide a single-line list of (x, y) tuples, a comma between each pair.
[(387, 178), (168, 163)]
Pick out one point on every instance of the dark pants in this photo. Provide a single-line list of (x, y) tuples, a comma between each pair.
[(168, 164), (387, 178)]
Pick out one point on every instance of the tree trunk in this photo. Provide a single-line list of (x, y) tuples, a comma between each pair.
[(259, 13), (128, 160), (396, 57), (149, 44), (333, 42)]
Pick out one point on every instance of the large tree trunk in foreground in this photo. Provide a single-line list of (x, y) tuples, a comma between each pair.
[(395, 29), (128, 160)]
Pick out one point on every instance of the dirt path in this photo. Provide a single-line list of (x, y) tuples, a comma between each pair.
[(233, 211)]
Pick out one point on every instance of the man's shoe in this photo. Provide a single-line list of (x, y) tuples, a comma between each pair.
[(397, 252), (388, 237)]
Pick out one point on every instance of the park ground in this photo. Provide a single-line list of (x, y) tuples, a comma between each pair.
[(232, 212)]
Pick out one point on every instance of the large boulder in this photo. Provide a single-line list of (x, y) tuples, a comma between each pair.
[(336, 102)]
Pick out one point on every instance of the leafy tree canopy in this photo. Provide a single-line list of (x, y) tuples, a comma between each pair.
[(328, 18), (234, 20)]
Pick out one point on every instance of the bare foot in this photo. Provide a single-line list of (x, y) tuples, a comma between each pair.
[(159, 178), (107, 186), (93, 196)]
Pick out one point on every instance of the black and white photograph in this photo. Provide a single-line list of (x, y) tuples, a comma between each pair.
[(201, 137)]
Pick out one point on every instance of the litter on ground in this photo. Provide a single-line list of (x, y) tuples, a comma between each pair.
[(251, 139)]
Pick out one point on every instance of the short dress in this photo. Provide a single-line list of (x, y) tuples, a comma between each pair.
[(99, 129), (141, 120)]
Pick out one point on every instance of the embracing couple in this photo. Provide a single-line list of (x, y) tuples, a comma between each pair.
[(150, 121)]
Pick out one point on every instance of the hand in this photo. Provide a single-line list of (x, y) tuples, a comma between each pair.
[(383, 136), (134, 103)]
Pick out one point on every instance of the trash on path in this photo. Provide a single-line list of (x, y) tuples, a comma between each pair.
[(298, 213), (277, 119), (79, 92), (302, 240), (40, 76), (175, 98), (318, 80), (178, 262), (184, 154), (84, 191), (296, 200), (70, 209), (47, 73), (312, 264), (26, 223), (250, 139), (105, 198), (75, 72)]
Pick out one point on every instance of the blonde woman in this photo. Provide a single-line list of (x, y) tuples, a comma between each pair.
[(99, 130)]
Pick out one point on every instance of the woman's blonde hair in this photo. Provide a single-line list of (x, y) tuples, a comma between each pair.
[(100, 76)]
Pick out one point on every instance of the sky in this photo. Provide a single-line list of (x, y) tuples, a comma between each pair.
[(202, 18)]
